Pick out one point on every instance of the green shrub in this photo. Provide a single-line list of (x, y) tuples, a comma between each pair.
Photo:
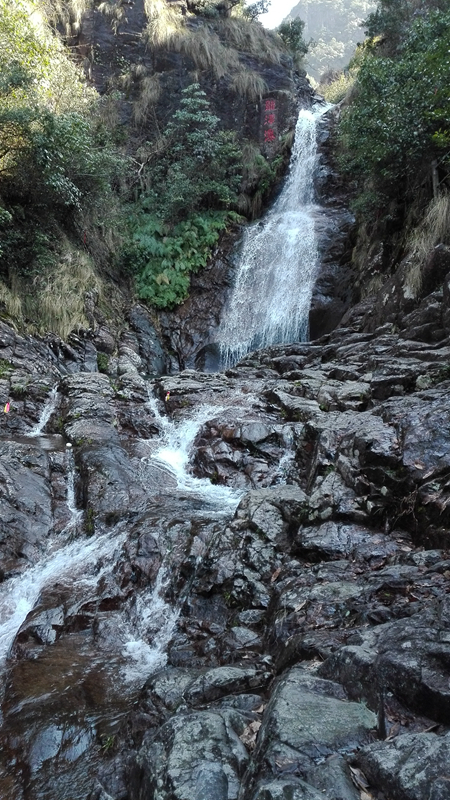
[(103, 362), (191, 187), (5, 368), (291, 33), (336, 89), (399, 120), (200, 166), (163, 257), (56, 160)]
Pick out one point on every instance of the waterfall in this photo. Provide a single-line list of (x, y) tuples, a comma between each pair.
[(75, 513), (172, 454), (145, 646), (47, 411), (271, 297), (77, 560)]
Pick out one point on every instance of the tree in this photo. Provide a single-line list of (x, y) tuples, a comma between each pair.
[(200, 168), (392, 20), (254, 10), (291, 33), (54, 158), (194, 186), (399, 121)]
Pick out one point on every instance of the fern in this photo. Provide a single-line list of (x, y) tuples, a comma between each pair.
[(164, 259)]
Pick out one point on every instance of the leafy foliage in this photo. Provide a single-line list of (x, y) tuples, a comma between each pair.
[(54, 157), (392, 19), (291, 33), (336, 85), (198, 166), (255, 9), (164, 257), (194, 184), (399, 120)]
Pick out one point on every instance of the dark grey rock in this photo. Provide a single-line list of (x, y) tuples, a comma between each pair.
[(412, 767)]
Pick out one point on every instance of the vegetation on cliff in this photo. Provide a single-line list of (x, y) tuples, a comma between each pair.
[(137, 179), (186, 203), (397, 129), (394, 140)]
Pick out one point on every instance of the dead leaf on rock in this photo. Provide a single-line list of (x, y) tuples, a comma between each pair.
[(275, 575), (358, 778), (300, 606), (249, 734), (393, 732), (285, 764)]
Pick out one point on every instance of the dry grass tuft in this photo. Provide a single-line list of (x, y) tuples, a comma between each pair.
[(251, 37), (114, 11), (433, 230), (11, 303), (373, 286), (108, 110), (68, 14), (165, 24), (249, 84), (57, 300), (339, 88), (58, 304), (150, 91), (206, 50)]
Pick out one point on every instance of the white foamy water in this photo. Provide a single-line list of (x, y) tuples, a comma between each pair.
[(77, 561), (75, 513), (174, 453), (275, 277), (145, 642), (47, 411)]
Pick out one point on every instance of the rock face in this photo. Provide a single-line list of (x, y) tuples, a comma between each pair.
[(230, 585), (335, 229)]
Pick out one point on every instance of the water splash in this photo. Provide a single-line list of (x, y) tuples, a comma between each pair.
[(47, 411), (154, 624), (75, 513), (76, 561), (271, 297), (174, 452)]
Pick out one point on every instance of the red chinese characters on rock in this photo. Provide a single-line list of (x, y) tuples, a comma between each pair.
[(269, 121)]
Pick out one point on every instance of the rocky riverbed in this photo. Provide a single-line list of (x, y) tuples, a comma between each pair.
[(247, 597)]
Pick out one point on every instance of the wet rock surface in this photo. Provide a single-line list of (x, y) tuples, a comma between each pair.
[(230, 585)]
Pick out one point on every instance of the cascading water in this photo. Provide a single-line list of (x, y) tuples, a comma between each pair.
[(67, 558), (75, 513), (173, 456), (19, 594), (47, 411), (271, 297)]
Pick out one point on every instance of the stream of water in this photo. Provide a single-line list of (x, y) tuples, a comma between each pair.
[(269, 304), (271, 297), (65, 557)]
